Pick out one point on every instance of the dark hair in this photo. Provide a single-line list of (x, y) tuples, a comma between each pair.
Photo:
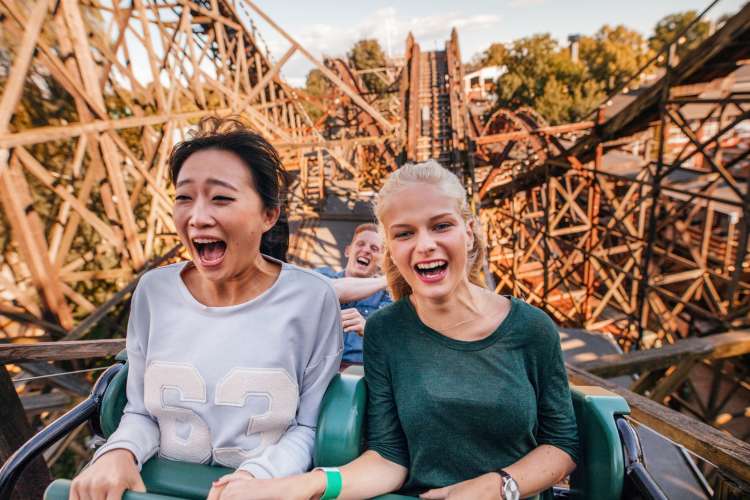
[(268, 175)]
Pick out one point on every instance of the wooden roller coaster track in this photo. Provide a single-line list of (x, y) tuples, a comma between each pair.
[(634, 222)]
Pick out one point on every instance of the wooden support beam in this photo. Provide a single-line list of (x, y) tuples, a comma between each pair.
[(28, 233), (327, 72), (14, 85), (34, 404), (57, 133), (523, 134), (17, 75), (261, 85), (60, 351), (719, 346)]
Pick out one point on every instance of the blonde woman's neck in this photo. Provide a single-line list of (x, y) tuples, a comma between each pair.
[(464, 302)]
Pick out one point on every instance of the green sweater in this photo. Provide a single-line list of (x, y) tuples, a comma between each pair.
[(452, 410)]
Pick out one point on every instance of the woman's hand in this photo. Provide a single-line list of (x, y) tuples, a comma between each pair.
[(218, 486), (241, 485), (484, 487), (108, 478)]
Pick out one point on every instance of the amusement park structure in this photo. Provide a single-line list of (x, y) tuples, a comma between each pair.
[(634, 223)]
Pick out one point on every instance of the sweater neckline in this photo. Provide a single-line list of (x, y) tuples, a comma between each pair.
[(190, 298), (465, 345)]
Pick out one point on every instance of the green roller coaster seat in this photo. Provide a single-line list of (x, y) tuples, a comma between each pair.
[(600, 473), (340, 439)]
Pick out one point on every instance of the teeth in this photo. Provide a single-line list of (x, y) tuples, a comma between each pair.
[(204, 241), (430, 265)]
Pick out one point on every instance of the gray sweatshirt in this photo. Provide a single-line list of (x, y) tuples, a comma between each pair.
[(238, 386)]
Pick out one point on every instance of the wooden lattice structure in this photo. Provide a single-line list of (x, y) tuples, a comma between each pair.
[(95, 96), (635, 222), (641, 226)]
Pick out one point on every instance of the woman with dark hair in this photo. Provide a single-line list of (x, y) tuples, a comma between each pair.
[(230, 353)]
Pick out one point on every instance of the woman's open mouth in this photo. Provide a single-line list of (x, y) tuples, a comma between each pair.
[(432, 271), (210, 251)]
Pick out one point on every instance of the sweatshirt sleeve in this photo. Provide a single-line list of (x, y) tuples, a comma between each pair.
[(137, 432), (292, 454)]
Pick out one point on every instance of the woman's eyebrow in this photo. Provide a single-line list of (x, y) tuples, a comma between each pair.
[(218, 182), (441, 215), (211, 180)]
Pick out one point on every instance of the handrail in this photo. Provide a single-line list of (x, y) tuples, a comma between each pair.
[(63, 350), (711, 347)]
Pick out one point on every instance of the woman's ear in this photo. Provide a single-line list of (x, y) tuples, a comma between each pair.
[(470, 234), (270, 217)]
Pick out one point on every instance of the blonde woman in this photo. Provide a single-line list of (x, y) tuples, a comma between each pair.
[(467, 392)]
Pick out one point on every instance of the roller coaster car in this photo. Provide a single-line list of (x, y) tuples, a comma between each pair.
[(611, 466)]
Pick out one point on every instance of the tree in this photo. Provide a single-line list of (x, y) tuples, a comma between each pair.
[(367, 54), (542, 76), (317, 84), (613, 55), (492, 56), (669, 26), (318, 87)]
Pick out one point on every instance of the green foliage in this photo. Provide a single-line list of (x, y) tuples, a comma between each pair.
[(367, 54), (317, 84), (318, 87), (492, 56), (541, 75), (669, 26), (613, 55)]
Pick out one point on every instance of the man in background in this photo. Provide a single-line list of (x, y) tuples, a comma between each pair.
[(359, 297)]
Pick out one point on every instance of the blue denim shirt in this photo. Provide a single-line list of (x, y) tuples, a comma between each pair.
[(366, 306)]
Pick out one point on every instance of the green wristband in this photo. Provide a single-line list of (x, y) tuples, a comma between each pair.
[(333, 483)]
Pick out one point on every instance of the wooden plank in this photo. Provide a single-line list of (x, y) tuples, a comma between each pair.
[(724, 451), (14, 85), (261, 85), (60, 351), (14, 431), (551, 130), (57, 133), (83, 52), (719, 346), (113, 164), (156, 80), (34, 404), (28, 234), (327, 72), (33, 166), (21, 63)]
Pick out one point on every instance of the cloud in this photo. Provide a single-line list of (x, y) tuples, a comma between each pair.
[(391, 30), (386, 25)]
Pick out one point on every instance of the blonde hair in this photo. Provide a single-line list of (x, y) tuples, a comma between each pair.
[(428, 172)]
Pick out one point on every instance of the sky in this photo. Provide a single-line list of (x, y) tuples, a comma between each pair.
[(331, 27)]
